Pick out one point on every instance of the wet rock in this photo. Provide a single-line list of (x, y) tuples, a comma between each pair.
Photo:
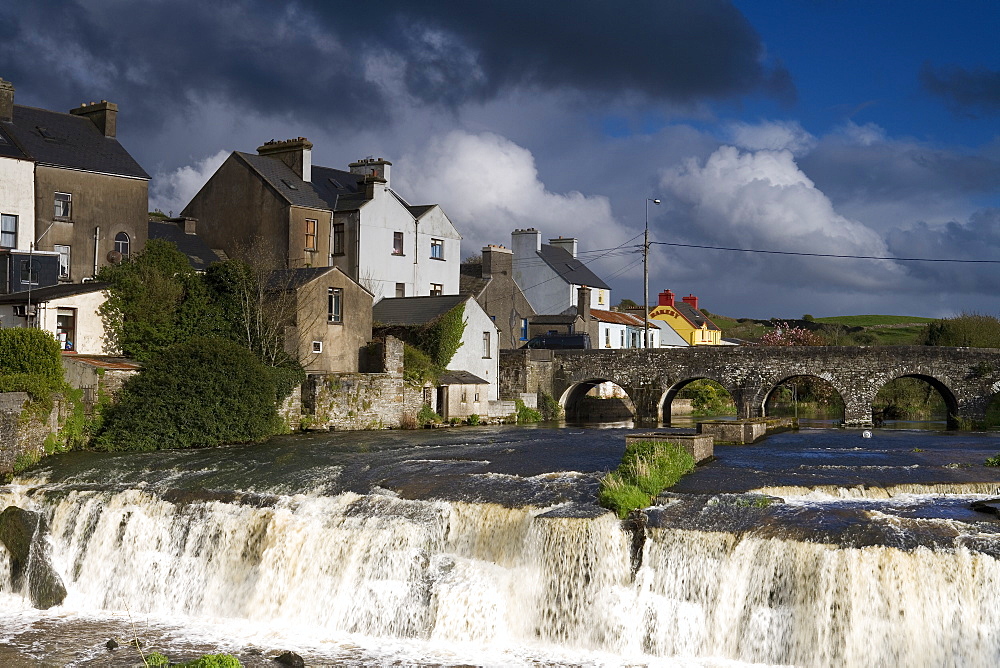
[(112, 644), (991, 506), (22, 532), (290, 659)]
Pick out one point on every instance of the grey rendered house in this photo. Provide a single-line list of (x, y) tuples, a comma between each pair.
[(492, 283)]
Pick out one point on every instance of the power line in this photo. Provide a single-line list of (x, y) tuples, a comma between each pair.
[(849, 257)]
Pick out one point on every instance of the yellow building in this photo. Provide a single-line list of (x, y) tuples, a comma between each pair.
[(686, 320)]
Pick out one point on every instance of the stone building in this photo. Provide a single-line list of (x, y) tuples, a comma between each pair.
[(303, 215), (90, 197), (492, 283)]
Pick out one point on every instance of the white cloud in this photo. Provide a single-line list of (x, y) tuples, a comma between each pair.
[(864, 135), (170, 192), (488, 186), (762, 200), (772, 136)]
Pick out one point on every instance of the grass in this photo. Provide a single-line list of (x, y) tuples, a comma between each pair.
[(992, 461), (647, 468), (874, 320)]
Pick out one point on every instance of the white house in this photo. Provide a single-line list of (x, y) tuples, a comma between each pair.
[(68, 311), (617, 330), (550, 274), (17, 195), (479, 354)]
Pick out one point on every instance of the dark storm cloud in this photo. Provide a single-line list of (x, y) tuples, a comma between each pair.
[(970, 92), (310, 58), (895, 171), (978, 239)]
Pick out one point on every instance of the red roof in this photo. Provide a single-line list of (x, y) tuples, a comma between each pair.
[(616, 317)]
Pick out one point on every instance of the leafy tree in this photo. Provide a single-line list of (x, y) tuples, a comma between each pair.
[(155, 299), (197, 393), (969, 330), (627, 303)]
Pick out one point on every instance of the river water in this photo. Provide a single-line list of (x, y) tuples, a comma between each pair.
[(483, 546)]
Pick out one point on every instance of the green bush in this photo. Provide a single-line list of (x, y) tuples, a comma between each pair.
[(549, 407), (31, 351), (199, 393), (971, 330), (418, 367), (427, 415), (213, 661), (473, 419), (156, 659), (992, 461), (647, 468), (524, 414)]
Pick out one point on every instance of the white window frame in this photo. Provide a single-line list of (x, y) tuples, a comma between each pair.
[(64, 260), (335, 306), (437, 249), (123, 246), (62, 206)]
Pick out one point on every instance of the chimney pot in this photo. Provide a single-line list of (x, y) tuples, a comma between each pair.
[(692, 300), (667, 298)]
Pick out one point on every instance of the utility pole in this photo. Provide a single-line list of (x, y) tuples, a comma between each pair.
[(645, 277)]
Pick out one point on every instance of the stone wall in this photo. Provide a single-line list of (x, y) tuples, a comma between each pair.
[(358, 401), (22, 436)]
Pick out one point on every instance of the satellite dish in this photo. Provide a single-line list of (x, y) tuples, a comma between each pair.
[(114, 257)]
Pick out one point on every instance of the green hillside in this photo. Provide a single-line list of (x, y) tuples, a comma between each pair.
[(874, 320)]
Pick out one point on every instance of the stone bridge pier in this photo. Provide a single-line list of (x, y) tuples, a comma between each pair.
[(966, 378)]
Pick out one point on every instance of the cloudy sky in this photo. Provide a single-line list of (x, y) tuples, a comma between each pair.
[(839, 127)]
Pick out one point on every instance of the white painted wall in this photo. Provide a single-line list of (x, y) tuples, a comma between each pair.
[(668, 338), (470, 356), (380, 270), (547, 292), (89, 326), (17, 196)]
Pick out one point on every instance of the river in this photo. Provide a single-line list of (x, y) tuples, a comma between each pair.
[(483, 546)]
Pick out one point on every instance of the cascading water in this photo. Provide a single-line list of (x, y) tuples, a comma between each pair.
[(718, 579)]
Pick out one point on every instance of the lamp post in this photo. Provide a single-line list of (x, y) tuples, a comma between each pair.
[(645, 277)]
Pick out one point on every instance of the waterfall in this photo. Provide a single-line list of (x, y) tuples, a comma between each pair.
[(450, 572)]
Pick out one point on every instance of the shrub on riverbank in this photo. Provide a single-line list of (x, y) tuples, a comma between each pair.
[(647, 468), (30, 362), (198, 393)]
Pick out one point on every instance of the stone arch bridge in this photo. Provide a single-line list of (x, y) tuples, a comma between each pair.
[(967, 378)]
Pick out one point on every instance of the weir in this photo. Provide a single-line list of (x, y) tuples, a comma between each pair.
[(481, 573)]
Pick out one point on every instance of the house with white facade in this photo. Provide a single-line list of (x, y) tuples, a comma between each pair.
[(551, 274), (474, 370), (68, 311), (277, 206), (616, 330)]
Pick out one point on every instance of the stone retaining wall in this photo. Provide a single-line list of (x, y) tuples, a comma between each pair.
[(23, 436)]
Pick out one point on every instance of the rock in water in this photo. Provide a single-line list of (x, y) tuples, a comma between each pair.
[(290, 659), (23, 534), (987, 506)]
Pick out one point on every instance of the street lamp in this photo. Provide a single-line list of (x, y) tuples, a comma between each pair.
[(645, 277)]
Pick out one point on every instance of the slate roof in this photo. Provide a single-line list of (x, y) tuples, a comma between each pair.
[(286, 182), (65, 140), (414, 310), (198, 253), (9, 149), (284, 279), (340, 190), (694, 316), (553, 319), (571, 269), (53, 292), (470, 279), (460, 377)]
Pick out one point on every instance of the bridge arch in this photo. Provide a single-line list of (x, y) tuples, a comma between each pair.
[(949, 397), (822, 376), (573, 398), (671, 392)]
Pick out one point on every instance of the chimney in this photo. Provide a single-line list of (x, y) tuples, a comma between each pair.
[(103, 114), (378, 167), (296, 153), (525, 243), (692, 300), (369, 182), (583, 303), (6, 101), (666, 298), (187, 223), (568, 244), (497, 260)]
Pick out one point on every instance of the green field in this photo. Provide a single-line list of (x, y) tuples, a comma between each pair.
[(874, 320)]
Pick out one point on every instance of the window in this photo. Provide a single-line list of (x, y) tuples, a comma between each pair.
[(486, 345), (437, 289), (8, 231), (310, 234), (600, 296), (29, 272), (397, 243), (63, 260), (338, 239), (334, 298), (524, 329), (66, 328), (317, 346), (400, 289), (64, 205), (623, 338), (437, 249), (122, 244), (607, 338)]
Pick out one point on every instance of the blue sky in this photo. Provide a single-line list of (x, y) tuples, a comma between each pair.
[(835, 127)]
